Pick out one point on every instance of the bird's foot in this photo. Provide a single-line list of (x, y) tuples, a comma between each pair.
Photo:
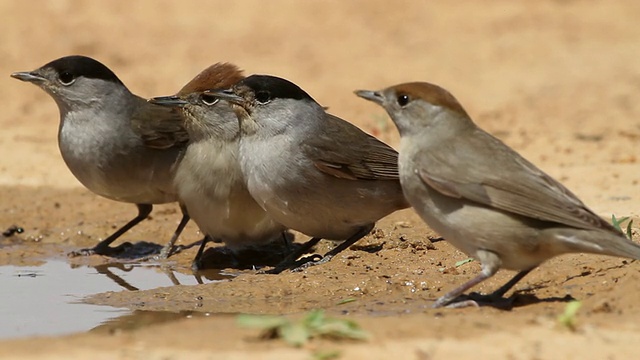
[(310, 261), (475, 300), (196, 265), (298, 265), (168, 251)]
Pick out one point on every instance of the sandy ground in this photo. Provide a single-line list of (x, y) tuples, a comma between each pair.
[(556, 80)]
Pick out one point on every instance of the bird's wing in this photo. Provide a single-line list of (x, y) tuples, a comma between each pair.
[(161, 127), (505, 180), (367, 158)]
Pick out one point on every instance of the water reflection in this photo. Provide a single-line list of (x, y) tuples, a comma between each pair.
[(118, 272), (46, 300)]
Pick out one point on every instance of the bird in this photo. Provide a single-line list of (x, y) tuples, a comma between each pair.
[(311, 171), (114, 142), (482, 196), (208, 179)]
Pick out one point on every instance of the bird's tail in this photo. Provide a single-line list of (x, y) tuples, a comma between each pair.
[(601, 242)]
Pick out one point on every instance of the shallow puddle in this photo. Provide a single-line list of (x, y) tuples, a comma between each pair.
[(46, 300)]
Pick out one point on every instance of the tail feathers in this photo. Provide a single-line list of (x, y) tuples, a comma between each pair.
[(624, 247), (601, 242)]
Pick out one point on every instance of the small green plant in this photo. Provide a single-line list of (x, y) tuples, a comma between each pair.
[(297, 333), (345, 301), (462, 262), (326, 355), (568, 317), (617, 222)]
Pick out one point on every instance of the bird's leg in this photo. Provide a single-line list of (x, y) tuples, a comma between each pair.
[(490, 266), (506, 287), (362, 232), (286, 242), (103, 247), (447, 298), (496, 298), (196, 264), (291, 259), (169, 249)]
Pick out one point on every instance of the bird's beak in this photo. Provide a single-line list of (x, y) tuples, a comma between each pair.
[(227, 95), (374, 96), (173, 101), (28, 76)]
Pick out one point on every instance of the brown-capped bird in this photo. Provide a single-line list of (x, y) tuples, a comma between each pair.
[(208, 179), (482, 196)]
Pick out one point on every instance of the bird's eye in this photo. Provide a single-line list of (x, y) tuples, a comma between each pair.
[(263, 97), (208, 100), (403, 100), (66, 78)]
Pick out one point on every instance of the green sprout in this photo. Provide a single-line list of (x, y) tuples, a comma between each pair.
[(568, 317), (297, 333), (462, 262), (345, 301), (617, 222), (326, 355)]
